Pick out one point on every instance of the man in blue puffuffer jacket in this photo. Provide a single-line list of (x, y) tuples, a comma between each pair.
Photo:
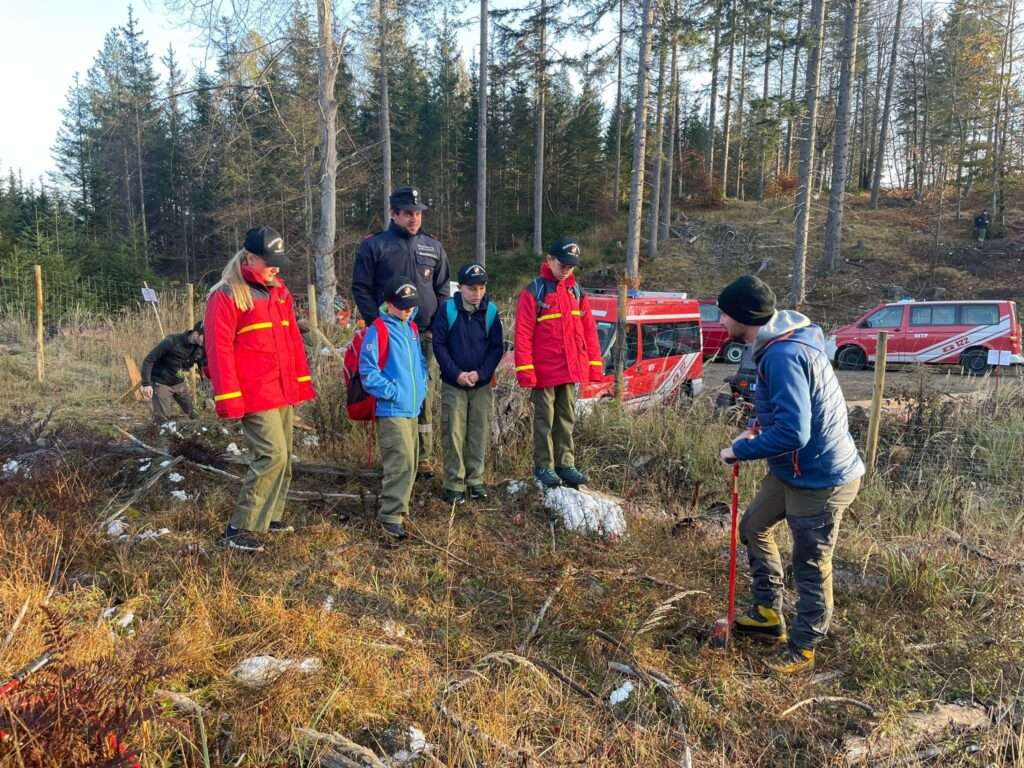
[(814, 469), (400, 386), (468, 346)]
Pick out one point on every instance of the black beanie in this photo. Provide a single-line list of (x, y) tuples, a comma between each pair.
[(748, 300)]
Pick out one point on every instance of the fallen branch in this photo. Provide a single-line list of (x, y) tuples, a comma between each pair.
[(364, 757), (14, 627), (814, 700), (418, 536), (566, 574), (555, 672), (142, 490)]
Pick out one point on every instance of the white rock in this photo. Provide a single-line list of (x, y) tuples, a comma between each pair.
[(145, 467), (328, 604), (261, 670), (108, 612), (180, 495), (311, 441), (126, 619), (621, 693), (515, 487), (586, 511), (165, 462), (11, 467), (116, 527), (233, 449), (174, 477), (417, 739), (170, 428)]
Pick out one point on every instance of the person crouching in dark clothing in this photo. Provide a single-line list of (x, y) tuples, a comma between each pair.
[(162, 380)]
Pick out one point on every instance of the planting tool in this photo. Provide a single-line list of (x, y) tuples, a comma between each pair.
[(19, 677), (720, 633)]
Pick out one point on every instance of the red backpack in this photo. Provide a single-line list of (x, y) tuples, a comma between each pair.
[(360, 404)]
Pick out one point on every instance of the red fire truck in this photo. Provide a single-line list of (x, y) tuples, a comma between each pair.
[(663, 346), (972, 334)]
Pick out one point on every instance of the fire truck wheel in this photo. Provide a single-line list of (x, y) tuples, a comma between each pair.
[(732, 353), (974, 362), (851, 359)]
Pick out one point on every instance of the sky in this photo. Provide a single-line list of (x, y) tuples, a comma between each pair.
[(42, 44)]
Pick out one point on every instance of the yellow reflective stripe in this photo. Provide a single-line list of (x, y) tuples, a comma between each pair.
[(227, 396), (305, 378), (286, 323), (524, 367), (254, 327), (597, 362), (552, 316), (577, 313)]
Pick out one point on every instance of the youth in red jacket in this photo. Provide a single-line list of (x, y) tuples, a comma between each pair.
[(256, 358), (556, 336)]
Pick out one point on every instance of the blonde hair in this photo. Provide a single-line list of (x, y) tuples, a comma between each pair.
[(231, 278)]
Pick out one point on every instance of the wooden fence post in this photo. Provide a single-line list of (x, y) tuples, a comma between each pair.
[(39, 324), (311, 293), (871, 450)]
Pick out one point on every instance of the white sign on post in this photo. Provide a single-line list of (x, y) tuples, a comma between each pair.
[(149, 294)]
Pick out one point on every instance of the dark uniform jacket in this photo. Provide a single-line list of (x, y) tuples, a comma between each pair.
[(394, 252), (166, 361), (468, 344)]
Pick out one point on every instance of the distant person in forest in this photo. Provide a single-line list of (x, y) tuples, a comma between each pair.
[(468, 344), (404, 250), (259, 373), (981, 224), (556, 349), (162, 382), (814, 469)]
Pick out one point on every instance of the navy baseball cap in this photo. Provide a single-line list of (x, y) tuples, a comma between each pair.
[(472, 274), (406, 199), (401, 291), (268, 245), (567, 251)]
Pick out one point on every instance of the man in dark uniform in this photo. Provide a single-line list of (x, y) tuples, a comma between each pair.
[(981, 224), (402, 249)]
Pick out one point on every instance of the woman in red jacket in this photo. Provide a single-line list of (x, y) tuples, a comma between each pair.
[(259, 372), (556, 349)]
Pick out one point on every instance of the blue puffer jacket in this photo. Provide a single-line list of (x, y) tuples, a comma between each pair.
[(800, 408), (401, 387)]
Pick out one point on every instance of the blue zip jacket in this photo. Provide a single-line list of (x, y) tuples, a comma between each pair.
[(467, 345), (401, 386), (800, 408)]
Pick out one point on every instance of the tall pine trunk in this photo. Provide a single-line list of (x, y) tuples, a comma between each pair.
[(673, 122), (883, 131), (740, 144), (617, 181), (763, 163), (716, 54), (840, 147), (728, 99), (385, 112), (657, 158), (538, 167), (636, 181), (798, 289), (788, 162), (480, 246), (328, 59)]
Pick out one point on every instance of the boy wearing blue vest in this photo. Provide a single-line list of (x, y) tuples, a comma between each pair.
[(467, 345), (398, 380)]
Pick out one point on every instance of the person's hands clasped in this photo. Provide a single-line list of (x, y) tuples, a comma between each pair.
[(147, 393)]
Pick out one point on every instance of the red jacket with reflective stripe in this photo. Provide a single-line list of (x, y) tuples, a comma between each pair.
[(255, 358), (556, 341)]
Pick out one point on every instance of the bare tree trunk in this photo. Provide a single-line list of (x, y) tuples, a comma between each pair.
[(998, 131), (657, 158), (480, 247), (385, 111), (739, 111), (883, 131), (798, 291), (728, 99), (716, 53), (636, 183), (764, 99), (617, 181), (328, 58), (538, 167), (788, 162), (673, 122), (840, 147)]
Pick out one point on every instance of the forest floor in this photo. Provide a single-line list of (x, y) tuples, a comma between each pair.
[(494, 636)]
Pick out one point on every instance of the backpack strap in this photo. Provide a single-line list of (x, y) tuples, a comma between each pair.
[(492, 315), (451, 312), (382, 342)]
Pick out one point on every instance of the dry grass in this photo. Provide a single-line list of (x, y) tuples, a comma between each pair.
[(427, 634)]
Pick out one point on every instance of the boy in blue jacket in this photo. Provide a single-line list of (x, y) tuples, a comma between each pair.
[(814, 469), (399, 382), (468, 346)]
